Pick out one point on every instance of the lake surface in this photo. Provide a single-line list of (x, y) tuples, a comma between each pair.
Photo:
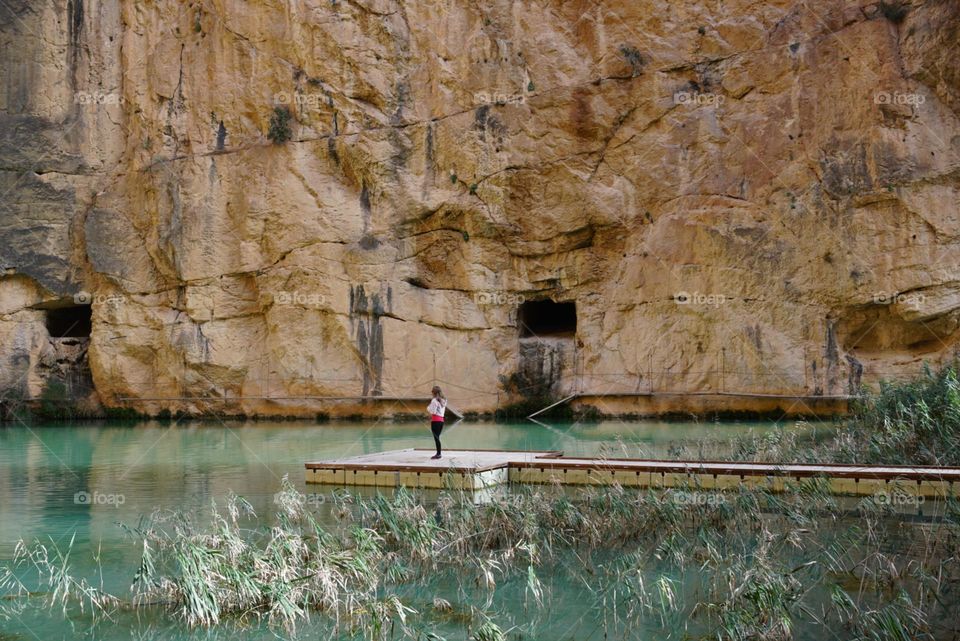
[(80, 482)]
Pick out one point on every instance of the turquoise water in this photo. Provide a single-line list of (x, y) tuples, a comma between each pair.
[(80, 482)]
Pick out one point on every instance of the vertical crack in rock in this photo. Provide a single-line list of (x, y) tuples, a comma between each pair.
[(19, 365), (831, 356), (365, 313), (221, 136), (332, 150), (173, 236), (488, 127), (429, 161), (368, 240), (75, 29), (856, 373)]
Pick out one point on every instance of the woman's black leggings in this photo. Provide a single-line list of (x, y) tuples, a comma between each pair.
[(436, 427)]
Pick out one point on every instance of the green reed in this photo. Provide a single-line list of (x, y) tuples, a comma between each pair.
[(683, 564)]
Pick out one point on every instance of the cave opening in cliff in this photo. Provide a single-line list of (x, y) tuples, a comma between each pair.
[(547, 318), (69, 322)]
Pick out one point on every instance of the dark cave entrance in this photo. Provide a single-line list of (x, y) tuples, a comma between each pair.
[(547, 318), (67, 378), (69, 322)]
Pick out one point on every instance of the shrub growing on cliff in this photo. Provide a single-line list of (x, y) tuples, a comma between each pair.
[(533, 393), (634, 58), (12, 405), (54, 401), (280, 131)]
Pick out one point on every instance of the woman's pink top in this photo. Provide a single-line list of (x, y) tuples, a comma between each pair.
[(437, 409)]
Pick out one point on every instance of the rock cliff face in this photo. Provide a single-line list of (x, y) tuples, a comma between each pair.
[(266, 201)]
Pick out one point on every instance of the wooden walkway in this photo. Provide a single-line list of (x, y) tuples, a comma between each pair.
[(479, 469)]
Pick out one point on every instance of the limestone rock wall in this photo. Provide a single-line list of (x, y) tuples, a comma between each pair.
[(61, 139), (738, 196)]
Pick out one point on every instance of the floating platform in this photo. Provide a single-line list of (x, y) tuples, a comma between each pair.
[(458, 469), (481, 469)]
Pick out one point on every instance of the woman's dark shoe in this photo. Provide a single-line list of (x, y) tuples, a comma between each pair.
[(435, 456)]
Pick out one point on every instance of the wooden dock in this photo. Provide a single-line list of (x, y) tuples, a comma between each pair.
[(481, 469), (458, 469)]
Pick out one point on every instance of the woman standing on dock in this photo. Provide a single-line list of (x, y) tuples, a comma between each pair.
[(436, 409)]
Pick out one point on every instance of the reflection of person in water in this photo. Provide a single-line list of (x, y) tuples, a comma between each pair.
[(437, 408)]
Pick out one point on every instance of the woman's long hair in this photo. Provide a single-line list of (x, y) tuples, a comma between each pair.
[(438, 394)]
